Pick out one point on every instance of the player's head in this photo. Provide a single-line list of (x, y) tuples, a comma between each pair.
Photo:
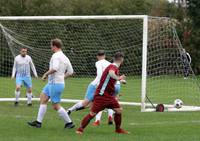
[(23, 51), (101, 55), (118, 58), (56, 44)]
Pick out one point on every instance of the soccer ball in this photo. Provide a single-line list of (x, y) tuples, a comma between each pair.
[(178, 103)]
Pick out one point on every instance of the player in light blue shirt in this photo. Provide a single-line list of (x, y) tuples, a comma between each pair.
[(21, 70)]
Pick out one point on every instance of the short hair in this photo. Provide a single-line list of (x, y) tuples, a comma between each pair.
[(118, 56), (56, 42), (23, 48), (101, 53)]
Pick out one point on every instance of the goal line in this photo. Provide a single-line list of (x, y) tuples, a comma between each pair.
[(168, 107)]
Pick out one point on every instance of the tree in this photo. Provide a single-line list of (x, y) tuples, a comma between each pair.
[(193, 11)]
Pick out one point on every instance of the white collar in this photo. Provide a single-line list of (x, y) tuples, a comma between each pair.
[(58, 52)]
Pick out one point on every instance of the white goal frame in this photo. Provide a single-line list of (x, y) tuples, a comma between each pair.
[(143, 104)]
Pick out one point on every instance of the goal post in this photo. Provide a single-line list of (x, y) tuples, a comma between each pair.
[(156, 65), (144, 62)]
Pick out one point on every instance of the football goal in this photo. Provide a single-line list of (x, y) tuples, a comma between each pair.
[(156, 65)]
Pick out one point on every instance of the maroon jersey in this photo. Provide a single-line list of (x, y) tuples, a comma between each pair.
[(107, 84)]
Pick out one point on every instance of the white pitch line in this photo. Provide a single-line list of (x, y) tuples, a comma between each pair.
[(167, 122)]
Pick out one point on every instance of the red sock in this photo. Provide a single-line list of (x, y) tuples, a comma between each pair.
[(86, 120), (118, 120)]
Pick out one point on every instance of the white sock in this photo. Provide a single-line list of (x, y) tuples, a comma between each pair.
[(110, 113), (62, 113), (29, 97), (41, 112), (17, 95), (98, 116), (76, 106)]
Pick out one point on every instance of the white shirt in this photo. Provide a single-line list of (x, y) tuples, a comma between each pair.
[(22, 66), (61, 64), (100, 65)]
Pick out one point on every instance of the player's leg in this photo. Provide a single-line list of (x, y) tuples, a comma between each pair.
[(55, 95), (97, 119), (17, 90), (96, 107), (187, 70), (79, 106), (118, 120), (110, 116), (117, 116), (28, 85), (110, 111), (29, 96), (88, 98), (86, 120), (44, 98)]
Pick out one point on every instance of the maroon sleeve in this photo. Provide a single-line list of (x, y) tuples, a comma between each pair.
[(114, 68)]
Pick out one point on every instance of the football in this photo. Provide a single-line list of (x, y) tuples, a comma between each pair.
[(178, 103)]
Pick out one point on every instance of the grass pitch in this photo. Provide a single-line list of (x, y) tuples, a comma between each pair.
[(183, 126)]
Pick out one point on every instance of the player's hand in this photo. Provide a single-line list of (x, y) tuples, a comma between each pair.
[(123, 81), (44, 77), (122, 77)]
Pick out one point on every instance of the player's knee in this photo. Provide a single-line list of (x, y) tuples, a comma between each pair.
[(44, 99), (85, 103), (118, 111), (56, 107), (18, 88), (29, 90)]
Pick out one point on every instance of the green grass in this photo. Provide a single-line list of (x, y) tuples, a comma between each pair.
[(184, 126)]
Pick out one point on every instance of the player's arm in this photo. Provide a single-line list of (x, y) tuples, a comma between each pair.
[(116, 77), (70, 70), (14, 69), (54, 69), (51, 71), (33, 68)]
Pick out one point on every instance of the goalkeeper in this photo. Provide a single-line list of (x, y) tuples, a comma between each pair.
[(21, 69)]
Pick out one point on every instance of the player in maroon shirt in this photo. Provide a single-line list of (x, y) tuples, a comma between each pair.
[(104, 95)]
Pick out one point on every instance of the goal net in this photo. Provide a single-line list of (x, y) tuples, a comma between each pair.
[(157, 68)]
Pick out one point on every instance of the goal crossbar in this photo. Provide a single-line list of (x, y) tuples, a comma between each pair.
[(100, 17)]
